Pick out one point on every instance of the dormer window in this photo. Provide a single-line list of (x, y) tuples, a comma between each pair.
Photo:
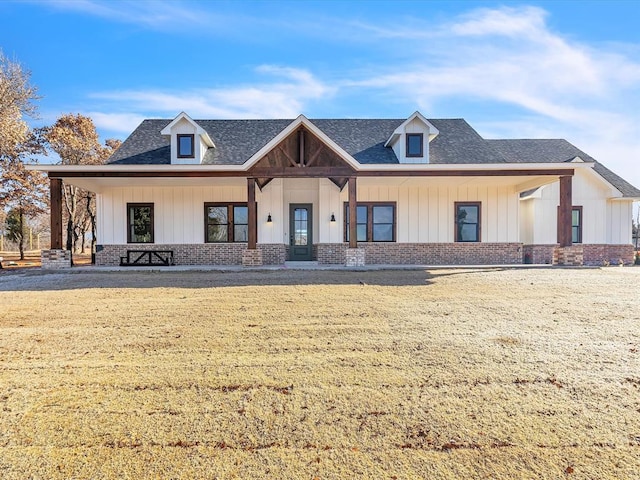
[(414, 145), (185, 146)]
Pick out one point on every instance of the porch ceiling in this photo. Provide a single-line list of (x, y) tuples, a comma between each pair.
[(520, 183), (100, 184)]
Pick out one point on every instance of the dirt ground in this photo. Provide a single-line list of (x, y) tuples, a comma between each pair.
[(11, 260), (439, 374)]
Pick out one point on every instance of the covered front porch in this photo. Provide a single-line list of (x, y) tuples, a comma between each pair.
[(423, 219), (293, 200)]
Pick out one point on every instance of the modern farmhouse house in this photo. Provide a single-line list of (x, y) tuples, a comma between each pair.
[(348, 192)]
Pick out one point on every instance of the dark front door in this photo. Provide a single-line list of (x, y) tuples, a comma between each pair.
[(300, 238)]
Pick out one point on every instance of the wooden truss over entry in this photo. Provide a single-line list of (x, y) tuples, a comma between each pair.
[(301, 154)]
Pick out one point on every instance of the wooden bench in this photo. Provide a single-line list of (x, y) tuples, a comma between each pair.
[(147, 258)]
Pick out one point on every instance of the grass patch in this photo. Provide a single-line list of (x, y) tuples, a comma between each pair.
[(444, 374)]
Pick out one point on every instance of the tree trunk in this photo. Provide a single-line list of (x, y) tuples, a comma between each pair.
[(76, 236), (94, 227), (71, 204), (636, 258), (83, 238), (21, 236), (70, 234)]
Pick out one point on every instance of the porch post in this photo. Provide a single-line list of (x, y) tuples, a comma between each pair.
[(56, 256), (253, 214), (55, 185), (353, 224), (564, 212)]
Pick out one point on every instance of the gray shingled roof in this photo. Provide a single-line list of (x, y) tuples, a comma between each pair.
[(457, 143), (237, 140), (557, 150)]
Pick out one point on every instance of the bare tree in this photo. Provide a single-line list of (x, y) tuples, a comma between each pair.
[(17, 97), (75, 139), (26, 193)]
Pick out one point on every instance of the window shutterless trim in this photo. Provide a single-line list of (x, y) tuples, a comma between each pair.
[(573, 209), (151, 226), (478, 224), (415, 155), (230, 220), (579, 226), (370, 222), (193, 146)]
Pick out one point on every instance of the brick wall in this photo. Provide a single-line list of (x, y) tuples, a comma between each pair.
[(55, 258), (612, 254), (593, 254), (572, 255), (538, 254), (426, 253), (378, 253), (195, 254)]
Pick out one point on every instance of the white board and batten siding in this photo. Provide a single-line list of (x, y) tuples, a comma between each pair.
[(179, 211), (604, 220), (424, 214)]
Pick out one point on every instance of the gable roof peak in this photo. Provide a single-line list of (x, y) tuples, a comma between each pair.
[(199, 130), (432, 131)]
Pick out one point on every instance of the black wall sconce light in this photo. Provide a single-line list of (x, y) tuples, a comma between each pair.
[(269, 218), (333, 218)]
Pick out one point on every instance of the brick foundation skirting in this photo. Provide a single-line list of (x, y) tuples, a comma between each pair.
[(570, 256), (252, 258), (425, 253), (55, 258), (377, 253), (538, 254), (595, 254), (195, 254), (592, 254), (355, 257)]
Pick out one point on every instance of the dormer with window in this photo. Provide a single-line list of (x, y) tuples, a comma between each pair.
[(410, 141), (189, 141)]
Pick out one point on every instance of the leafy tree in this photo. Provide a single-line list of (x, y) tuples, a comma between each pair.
[(16, 228), (75, 139)]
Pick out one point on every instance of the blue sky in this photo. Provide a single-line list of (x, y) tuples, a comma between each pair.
[(557, 69)]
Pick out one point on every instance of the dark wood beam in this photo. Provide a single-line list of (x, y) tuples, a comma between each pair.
[(317, 172), (253, 214), (564, 212), (55, 185), (301, 162), (327, 172), (339, 182), (315, 156), (263, 182), (353, 221), (507, 172), (292, 162)]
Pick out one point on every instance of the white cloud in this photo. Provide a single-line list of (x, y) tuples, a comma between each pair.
[(116, 122), (532, 81), (156, 14), (509, 57), (285, 98), (511, 22)]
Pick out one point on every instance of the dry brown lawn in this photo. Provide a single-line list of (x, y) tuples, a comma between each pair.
[(440, 374), (11, 260)]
